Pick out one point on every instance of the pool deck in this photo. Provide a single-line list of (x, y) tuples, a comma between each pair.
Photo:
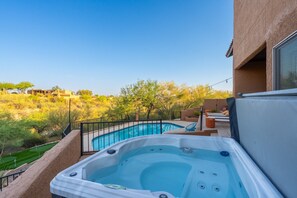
[(223, 128)]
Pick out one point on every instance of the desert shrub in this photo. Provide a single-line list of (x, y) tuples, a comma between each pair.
[(57, 133), (34, 141), (197, 113)]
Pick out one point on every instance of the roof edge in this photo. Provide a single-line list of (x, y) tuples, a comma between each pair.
[(229, 52)]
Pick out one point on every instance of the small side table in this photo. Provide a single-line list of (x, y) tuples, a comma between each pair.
[(210, 122)]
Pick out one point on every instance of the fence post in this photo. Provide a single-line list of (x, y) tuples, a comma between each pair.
[(161, 126), (201, 118), (81, 139)]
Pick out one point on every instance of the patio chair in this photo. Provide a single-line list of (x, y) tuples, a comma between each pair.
[(192, 129), (219, 117)]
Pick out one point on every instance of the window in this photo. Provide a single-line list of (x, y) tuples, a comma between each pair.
[(285, 63)]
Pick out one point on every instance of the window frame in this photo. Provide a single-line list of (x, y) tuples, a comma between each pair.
[(276, 60)]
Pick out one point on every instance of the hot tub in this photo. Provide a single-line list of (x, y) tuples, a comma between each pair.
[(166, 166)]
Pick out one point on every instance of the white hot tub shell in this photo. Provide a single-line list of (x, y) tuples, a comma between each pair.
[(73, 182)]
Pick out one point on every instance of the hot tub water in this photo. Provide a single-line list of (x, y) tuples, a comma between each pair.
[(183, 172)]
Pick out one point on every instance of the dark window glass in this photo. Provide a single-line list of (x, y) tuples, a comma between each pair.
[(286, 64)]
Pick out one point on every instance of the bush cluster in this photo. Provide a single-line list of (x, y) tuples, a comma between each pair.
[(34, 141)]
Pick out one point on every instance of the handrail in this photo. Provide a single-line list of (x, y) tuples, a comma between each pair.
[(87, 122), (6, 178), (76, 125)]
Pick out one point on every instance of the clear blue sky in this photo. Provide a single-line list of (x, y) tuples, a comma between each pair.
[(104, 45)]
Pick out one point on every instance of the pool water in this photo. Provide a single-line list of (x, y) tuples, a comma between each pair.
[(183, 172), (142, 129)]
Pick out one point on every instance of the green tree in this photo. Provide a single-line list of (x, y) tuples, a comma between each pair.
[(125, 107), (54, 88), (122, 106), (83, 92), (200, 93), (58, 119), (39, 126), (195, 96), (145, 95), (10, 133), (23, 86), (7, 86), (169, 98)]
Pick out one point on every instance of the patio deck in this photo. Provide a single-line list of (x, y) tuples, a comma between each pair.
[(223, 128)]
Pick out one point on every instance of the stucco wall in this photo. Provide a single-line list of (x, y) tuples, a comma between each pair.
[(214, 104), (260, 23), (188, 113), (250, 78), (35, 182), (209, 104), (287, 25)]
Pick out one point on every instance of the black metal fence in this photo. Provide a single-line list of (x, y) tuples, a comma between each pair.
[(5, 180), (96, 136), (66, 131), (76, 125)]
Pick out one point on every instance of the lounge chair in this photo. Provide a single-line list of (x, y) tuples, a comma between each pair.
[(219, 117)]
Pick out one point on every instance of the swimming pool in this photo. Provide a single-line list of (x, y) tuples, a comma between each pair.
[(140, 129), (166, 166)]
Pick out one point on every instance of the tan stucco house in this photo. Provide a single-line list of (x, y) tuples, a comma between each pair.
[(264, 47)]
